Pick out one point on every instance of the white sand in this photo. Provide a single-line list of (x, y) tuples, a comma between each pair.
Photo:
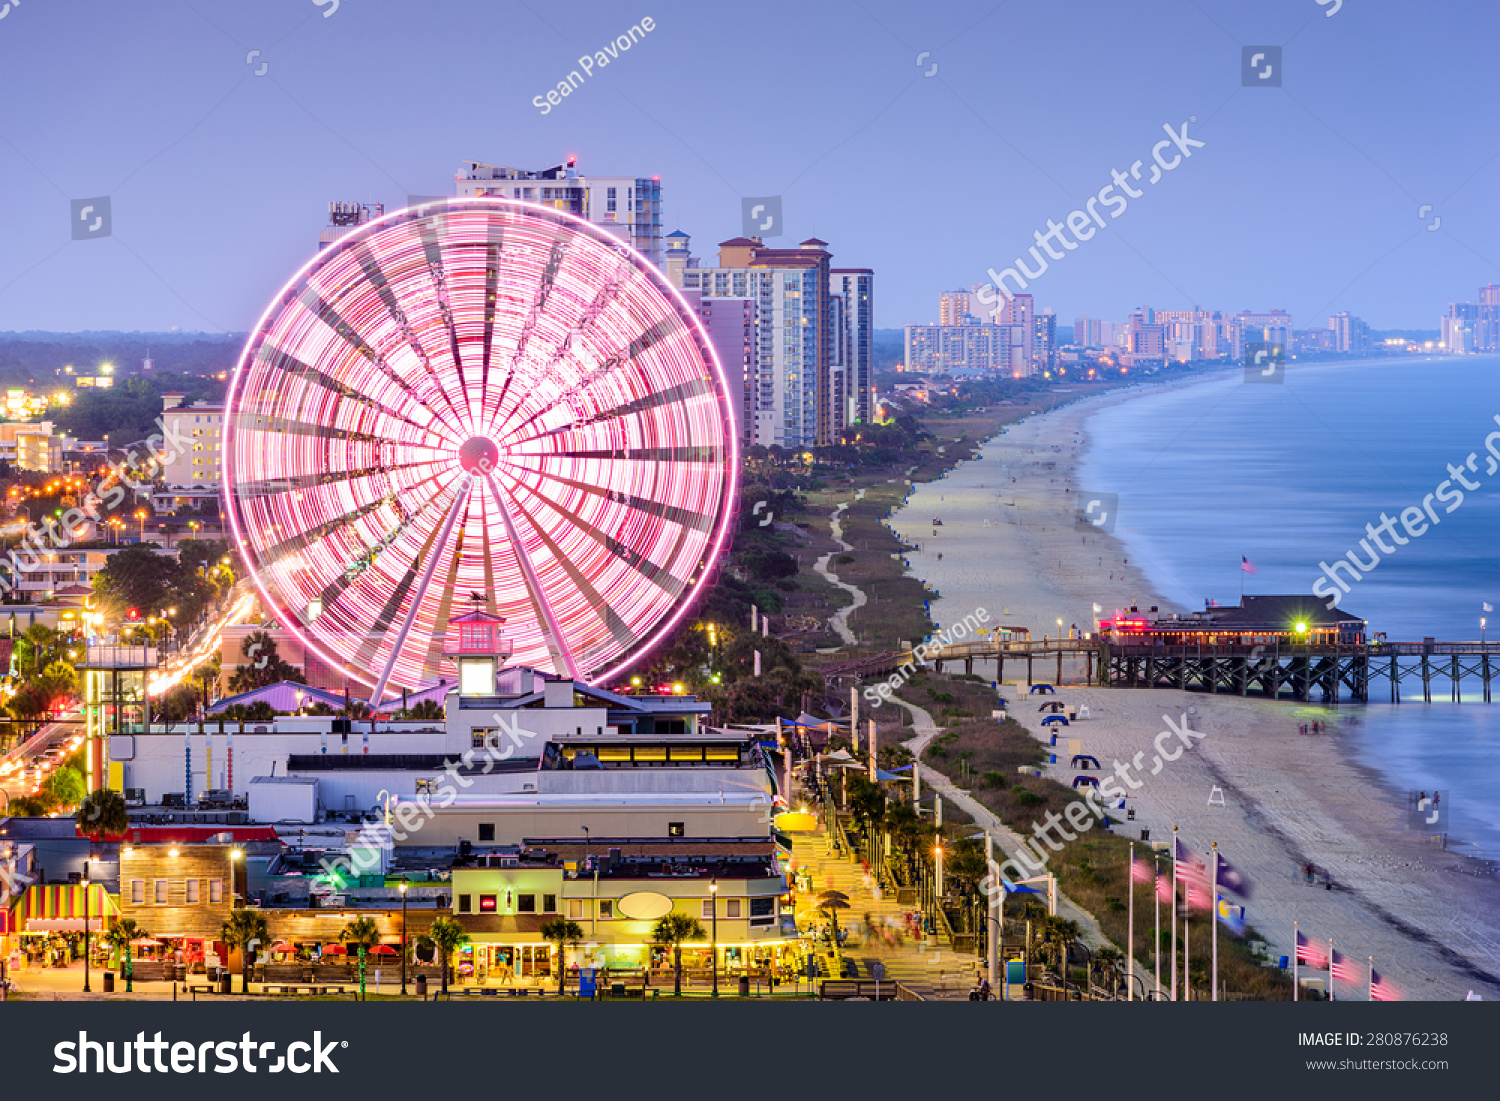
[(1432, 925)]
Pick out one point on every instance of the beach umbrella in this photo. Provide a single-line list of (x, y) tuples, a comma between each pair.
[(335, 950), (832, 896), (384, 950)]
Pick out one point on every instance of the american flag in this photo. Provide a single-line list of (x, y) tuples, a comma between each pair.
[(1246, 565), (1140, 871), (1311, 953), (1164, 888), (1186, 863), (1342, 968), (1380, 988)]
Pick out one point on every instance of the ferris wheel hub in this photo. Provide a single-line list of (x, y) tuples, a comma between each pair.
[(478, 454)]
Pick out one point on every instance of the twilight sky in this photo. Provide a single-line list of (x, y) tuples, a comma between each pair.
[(1304, 196)]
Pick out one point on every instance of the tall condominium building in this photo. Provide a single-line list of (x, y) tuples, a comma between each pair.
[(1245, 327), (732, 332), (1193, 334), (1350, 335), (1045, 345), (943, 349), (793, 392), (1474, 326), (201, 428), (627, 206), (953, 308), (342, 218), (854, 288)]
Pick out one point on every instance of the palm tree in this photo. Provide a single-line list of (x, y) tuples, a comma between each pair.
[(244, 930), (362, 932), (102, 813), (1064, 933), (446, 936), (120, 934), (1112, 961), (672, 930), (565, 934)]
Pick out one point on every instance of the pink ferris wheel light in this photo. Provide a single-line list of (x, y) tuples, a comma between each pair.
[(479, 397)]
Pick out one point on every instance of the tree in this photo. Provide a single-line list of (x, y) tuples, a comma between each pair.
[(564, 934), (260, 712), (244, 930), (366, 934), (102, 814), (120, 934), (263, 665), (446, 936), (672, 930), (423, 709), (67, 786)]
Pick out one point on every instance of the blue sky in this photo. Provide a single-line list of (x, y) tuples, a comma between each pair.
[(1304, 197)]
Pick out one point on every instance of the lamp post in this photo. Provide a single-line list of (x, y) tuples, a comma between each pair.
[(403, 937), (86, 925), (713, 898), (234, 856)]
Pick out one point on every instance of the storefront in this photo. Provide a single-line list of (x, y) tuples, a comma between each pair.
[(45, 927)]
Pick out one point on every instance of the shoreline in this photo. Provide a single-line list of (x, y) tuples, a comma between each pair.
[(1007, 540)]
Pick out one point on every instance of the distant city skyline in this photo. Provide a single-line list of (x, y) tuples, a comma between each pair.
[(197, 147)]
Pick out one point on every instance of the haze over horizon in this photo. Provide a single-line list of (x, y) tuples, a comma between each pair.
[(1304, 197)]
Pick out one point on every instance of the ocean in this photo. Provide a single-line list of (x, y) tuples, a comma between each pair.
[(1288, 476)]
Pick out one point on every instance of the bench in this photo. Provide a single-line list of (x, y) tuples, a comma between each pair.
[(205, 988)]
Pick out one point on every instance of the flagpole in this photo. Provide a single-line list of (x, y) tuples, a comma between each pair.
[(1295, 959), (1174, 913), (1370, 995), (1214, 920), (1130, 929), (1156, 896), (1187, 979), (1330, 969)]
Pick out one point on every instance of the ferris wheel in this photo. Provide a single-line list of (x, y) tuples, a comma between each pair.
[(478, 403)]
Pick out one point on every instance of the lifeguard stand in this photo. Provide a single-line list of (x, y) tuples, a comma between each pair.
[(480, 651)]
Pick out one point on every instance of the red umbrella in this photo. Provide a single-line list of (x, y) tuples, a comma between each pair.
[(384, 950), (335, 950)]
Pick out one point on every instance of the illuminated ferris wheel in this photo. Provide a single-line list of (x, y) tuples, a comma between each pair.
[(478, 401)]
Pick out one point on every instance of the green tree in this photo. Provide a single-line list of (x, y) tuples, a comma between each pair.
[(246, 930), (120, 934), (423, 709), (67, 786), (672, 930), (446, 936), (103, 814), (263, 665), (564, 934), (364, 934)]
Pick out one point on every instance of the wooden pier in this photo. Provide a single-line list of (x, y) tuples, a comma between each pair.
[(1330, 671)]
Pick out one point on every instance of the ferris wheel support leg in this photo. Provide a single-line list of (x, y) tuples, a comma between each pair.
[(534, 583), (460, 500)]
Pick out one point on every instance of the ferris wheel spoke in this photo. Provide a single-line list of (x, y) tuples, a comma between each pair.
[(431, 660), (293, 368), (274, 553), (659, 576), (561, 652), (290, 483), (330, 317), (388, 613), (675, 514), (678, 395), (437, 269)]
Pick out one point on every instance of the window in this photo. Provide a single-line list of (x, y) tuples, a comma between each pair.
[(526, 904), (138, 892), (575, 908), (486, 831), (549, 904), (675, 829), (708, 909), (193, 887), (487, 904), (731, 907), (606, 908), (476, 739), (762, 911), (161, 892), (464, 904), (216, 891)]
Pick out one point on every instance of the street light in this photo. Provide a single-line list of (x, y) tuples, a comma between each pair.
[(713, 897), (86, 925), (234, 856), (402, 888)]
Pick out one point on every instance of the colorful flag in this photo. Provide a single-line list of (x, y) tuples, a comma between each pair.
[(1231, 878), (1246, 565), (1380, 988), (1232, 916), (1185, 863), (1198, 896), (1140, 870), (1343, 970), (1311, 953)]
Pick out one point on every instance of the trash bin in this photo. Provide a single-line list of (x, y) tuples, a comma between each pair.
[(109, 982), (1054, 739), (421, 986), (226, 981), (616, 990), (744, 986), (181, 972)]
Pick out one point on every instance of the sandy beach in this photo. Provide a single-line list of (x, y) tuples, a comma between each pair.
[(1009, 545)]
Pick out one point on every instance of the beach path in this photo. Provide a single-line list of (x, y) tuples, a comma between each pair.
[(839, 621)]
